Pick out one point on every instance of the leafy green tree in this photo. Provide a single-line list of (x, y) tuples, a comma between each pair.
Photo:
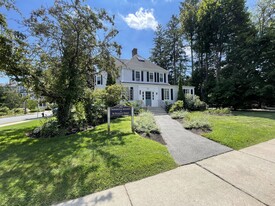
[(175, 50), (188, 20), (66, 49), (180, 92), (159, 53)]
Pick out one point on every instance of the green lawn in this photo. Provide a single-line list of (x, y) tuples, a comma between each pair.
[(242, 129), (47, 171)]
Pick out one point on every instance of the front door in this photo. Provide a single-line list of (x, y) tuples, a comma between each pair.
[(148, 99)]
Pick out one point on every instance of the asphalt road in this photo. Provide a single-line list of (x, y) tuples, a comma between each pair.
[(7, 120)]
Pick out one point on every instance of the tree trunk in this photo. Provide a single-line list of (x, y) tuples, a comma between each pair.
[(63, 113)]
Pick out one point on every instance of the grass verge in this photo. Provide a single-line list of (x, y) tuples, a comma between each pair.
[(47, 171)]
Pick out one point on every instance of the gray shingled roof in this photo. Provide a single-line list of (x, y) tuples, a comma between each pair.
[(136, 62)]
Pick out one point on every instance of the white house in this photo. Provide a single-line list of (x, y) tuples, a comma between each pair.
[(144, 81)]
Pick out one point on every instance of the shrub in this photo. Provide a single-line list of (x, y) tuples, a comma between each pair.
[(168, 106), (177, 106), (50, 128), (32, 104), (194, 103), (18, 111), (4, 111), (219, 111), (145, 123), (114, 95), (196, 122), (179, 114), (136, 104)]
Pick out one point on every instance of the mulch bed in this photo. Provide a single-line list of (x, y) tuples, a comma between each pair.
[(155, 137)]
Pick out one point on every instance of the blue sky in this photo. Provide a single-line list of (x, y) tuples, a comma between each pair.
[(135, 19)]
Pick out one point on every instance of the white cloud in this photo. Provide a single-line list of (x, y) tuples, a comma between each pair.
[(142, 19)]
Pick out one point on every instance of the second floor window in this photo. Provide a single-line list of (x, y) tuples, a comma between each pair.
[(151, 79), (137, 76), (160, 77)]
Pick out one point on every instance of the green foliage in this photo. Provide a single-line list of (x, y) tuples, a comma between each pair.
[(63, 52), (179, 114), (68, 167), (10, 98), (145, 123), (32, 104), (49, 128), (193, 103), (114, 95), (180, 92), (168, 51), (137, 106), (177, 106), (78, 115), (196, 122), (4, 111), (168, 106), (98, 110), (218, 111), (18, 111)]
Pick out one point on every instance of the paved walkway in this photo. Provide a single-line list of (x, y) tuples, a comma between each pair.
[(185, 146), (245, 177)]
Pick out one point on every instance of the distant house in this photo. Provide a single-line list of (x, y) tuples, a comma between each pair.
[(144, 81)]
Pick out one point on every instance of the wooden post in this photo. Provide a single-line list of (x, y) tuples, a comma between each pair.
[(132, 119), (108, 117)]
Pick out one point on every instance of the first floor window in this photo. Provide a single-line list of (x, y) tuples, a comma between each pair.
[(166, 94), (131, 93), (99, 80)]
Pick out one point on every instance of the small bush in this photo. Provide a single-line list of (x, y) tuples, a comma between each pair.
[(136, 104), (145, 123), (197, 123), (18, 111), (49, 129), (194, 103), (168, 106), (5, 111), (177, 106), (179, 114), (219, 111)]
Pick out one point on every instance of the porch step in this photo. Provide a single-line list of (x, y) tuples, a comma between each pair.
[(157, 110)]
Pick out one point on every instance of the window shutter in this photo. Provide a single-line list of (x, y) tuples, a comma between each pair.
[(142, 76), (147, 76), (101, 82), (164, 77), (162, 94), (172, 95), (133, 75), (155, 76)]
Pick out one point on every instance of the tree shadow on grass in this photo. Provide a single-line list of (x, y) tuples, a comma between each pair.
[(261, 114), (46, 171)]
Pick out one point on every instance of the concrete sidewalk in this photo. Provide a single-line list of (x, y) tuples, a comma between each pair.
[(245, 177), (185, 146)]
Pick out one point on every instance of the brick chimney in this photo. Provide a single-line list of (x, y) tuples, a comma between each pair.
[(134, 52)]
